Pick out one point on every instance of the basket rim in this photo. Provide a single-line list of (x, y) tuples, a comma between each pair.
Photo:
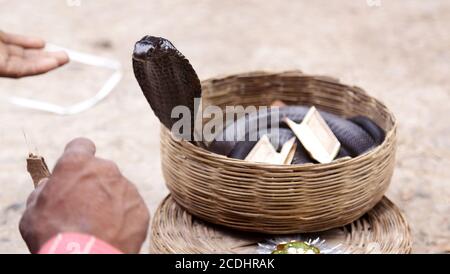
[(390, 134)]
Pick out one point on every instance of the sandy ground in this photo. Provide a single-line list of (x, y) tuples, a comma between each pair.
[(398, 51)]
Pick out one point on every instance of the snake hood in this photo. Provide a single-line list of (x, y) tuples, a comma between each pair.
[(166, 78)]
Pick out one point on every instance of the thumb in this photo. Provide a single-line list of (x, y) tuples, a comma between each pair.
[(81, 146)]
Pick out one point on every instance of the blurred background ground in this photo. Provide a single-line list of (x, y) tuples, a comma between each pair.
[(399, 51)]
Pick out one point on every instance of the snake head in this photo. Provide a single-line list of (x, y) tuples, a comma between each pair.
[(152, 46)]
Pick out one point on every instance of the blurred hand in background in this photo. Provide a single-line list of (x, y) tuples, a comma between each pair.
[(87, 195), (22, 56)]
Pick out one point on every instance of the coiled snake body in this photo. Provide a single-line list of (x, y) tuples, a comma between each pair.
[(355, 138)]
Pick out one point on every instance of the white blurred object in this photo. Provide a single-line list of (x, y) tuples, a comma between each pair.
[(83, 58), (264, 152), (316, 136), (270, 245)]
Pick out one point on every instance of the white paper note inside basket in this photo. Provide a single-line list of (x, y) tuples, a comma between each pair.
[(316, 136), (264, 152)]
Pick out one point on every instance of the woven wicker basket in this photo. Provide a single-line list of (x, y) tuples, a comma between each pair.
[(289, 198), (382, 230)]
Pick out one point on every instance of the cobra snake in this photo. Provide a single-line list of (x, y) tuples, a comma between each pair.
[(167, 80)]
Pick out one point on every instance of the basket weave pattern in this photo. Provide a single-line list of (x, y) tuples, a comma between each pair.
[(382, 230), (281, 199)]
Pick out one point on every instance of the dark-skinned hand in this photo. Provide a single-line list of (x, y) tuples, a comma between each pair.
[(89, 195)]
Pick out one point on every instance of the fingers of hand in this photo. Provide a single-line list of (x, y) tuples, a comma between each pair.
[(60, 56), (108, 168), (24, 56), (23, 41), (19, 67), (76, 153), (81, 145), (26, 62)]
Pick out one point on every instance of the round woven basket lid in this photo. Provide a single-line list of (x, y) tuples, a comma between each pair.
[(382, 230)]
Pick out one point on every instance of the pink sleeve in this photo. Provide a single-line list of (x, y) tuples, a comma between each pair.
[(76, 243)]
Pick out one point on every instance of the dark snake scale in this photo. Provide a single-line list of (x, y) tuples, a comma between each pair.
[(167, 80)]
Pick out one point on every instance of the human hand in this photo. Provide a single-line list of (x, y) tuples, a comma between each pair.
[(89, 195), (22, 56)]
